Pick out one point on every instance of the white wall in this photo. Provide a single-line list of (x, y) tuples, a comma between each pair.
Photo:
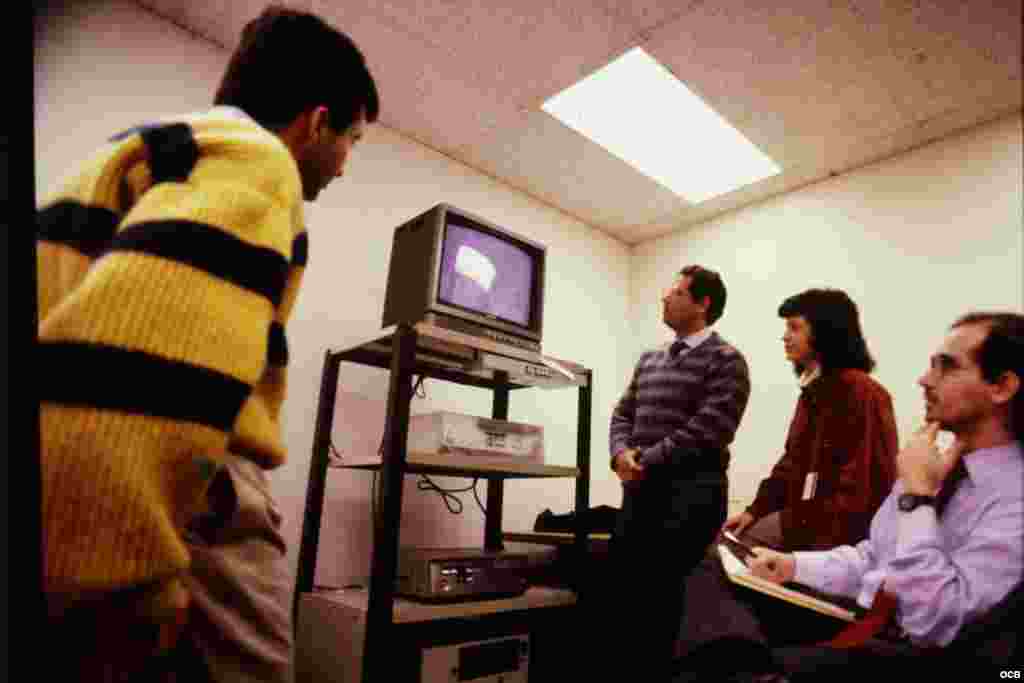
[(915, 240), (104, 66)]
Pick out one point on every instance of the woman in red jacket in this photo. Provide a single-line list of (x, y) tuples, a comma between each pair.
[(839, 461), (838, 465)]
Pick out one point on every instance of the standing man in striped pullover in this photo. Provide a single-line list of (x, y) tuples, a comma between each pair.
[(168, 267), (669, 443)]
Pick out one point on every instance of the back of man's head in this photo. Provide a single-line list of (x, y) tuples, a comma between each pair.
[(1002, 352), (288, 62)]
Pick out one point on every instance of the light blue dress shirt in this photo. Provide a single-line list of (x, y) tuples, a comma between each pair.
[(943, 572)]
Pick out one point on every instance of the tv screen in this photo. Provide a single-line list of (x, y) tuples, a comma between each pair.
[(486, 274)]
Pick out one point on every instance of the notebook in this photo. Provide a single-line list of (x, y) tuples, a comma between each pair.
[(792, 592)]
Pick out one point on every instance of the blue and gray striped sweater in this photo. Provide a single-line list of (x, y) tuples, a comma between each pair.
[(683, 410)]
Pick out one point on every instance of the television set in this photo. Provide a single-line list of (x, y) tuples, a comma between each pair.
[(462, 272)]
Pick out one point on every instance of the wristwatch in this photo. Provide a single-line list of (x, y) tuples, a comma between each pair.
[(910, 501)]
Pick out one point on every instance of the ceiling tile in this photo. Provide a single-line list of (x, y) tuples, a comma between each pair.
[(783, 77), (819, 86), (527, 50), (685, 217), (991, 27), (643, 17), (841, 160), (550, 161)]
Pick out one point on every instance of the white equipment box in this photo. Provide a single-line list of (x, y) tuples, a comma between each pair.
[(445, 432)]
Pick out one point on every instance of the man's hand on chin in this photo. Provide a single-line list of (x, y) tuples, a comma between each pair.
[(922, 466)]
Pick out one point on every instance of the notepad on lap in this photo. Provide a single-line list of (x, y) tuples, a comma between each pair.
[(796, 594)]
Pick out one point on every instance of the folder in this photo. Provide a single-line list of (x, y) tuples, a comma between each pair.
[(794, 593)]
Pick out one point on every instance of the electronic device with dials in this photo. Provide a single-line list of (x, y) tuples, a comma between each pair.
[(451, 574)]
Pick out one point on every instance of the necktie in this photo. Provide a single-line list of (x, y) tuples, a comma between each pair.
[(678, 346), (882, 613), (949, 486)]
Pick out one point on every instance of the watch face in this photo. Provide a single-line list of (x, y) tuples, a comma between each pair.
[(908, 501)]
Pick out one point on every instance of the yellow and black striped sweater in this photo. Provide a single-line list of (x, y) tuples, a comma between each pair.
[(168, 267)]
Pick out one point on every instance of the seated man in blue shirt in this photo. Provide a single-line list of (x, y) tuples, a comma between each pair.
[(947, 545)]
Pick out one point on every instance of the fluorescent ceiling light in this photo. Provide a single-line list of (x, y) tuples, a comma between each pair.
[(638, 111)]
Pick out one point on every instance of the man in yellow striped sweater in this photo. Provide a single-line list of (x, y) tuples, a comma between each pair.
[(168, 267)]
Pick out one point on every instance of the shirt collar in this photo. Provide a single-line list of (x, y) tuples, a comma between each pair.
[(809, 376), (697, 338), (994, 460)]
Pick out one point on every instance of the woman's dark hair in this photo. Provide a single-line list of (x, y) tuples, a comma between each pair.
[(704, 282), (836, 335), (1002, 351), (288, 62)]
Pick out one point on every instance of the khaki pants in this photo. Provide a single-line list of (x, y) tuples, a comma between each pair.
[(240, 617)]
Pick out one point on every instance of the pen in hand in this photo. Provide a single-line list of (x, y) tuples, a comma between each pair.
[(773, 566), (739, 547)]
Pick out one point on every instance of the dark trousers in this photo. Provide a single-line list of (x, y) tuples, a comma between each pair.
[(729, 630), (714, 607), (815, 663), (753, 634), (757, 633), (663, 531), (739, 661)]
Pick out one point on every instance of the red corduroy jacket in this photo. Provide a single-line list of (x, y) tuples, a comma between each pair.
[(845, 430)]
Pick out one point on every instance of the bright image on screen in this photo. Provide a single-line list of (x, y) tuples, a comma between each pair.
[(486, 274)]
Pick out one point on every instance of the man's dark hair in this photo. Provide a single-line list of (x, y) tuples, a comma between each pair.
[(704, 282), (1002, 351), (836, 334), (288, 62)]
